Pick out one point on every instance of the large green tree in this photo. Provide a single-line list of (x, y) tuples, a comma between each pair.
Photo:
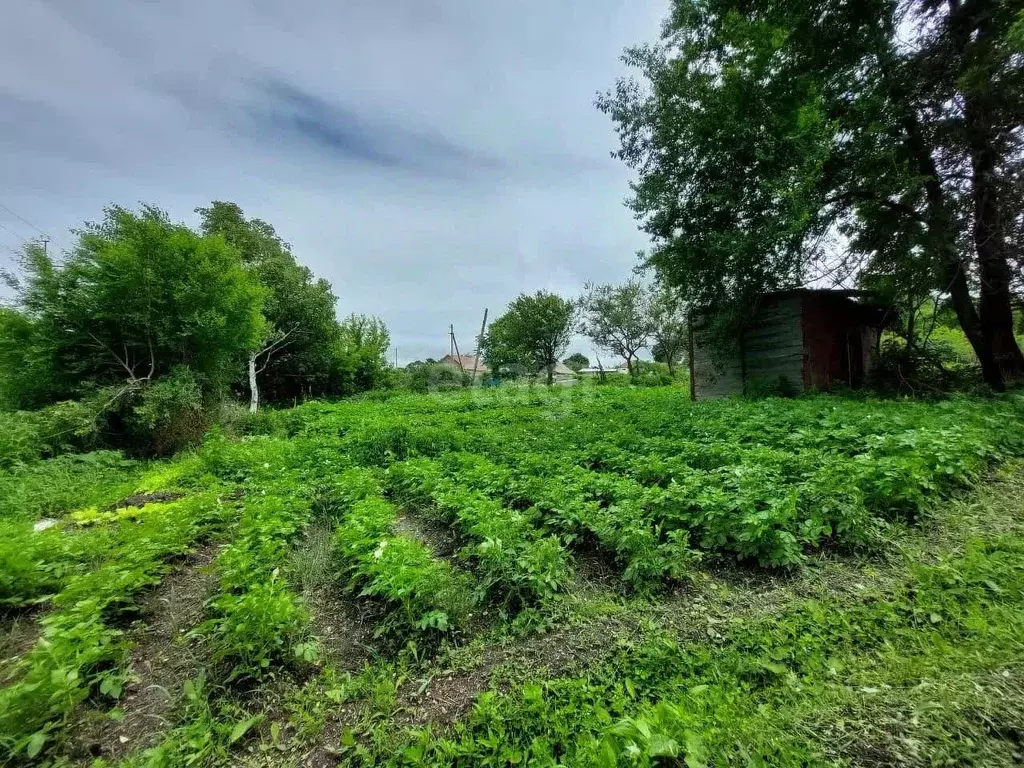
[(779, 142), (360, 356), (532, 334), (618, 318), (577, 361), (296, 354), (135, 298)]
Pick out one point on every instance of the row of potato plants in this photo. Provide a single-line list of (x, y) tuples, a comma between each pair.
[(81, 652), (516, 562), (256, 623), (578, 503), (423, 594)]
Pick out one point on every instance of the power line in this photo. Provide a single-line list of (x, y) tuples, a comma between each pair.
[(6, 229), (23, 220)]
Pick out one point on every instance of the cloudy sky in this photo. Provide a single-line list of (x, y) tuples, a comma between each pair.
[(429, 157)]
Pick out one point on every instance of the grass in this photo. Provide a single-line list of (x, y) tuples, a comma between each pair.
[(632, 580)]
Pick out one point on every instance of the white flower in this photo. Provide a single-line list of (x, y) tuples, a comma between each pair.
[(379, 550)]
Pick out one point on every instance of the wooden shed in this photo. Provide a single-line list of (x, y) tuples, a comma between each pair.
[(802, 339)]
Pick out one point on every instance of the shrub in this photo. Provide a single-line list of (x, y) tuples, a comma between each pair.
[(66, 427), (435, 377), (651, 374), (168, 414)]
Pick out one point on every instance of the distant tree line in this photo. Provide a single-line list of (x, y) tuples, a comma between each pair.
[(536, 329), (151, 327)]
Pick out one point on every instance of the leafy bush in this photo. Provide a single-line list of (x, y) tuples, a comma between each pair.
[(80, 653), (515, 557), (257, 621), (169, 413), (55, 487), (435, 377), (66, 427), (647, 373)]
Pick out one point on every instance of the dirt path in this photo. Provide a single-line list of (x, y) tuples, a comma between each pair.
[(161, 661)]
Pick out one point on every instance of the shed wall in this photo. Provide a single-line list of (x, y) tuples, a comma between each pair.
[(773, 345), (713, 373)]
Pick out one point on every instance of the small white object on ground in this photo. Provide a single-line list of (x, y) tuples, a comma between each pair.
[(42, 525)]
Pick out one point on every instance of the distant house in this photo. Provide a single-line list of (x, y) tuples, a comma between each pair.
[(800, 339), (466, 363), (560, 372)]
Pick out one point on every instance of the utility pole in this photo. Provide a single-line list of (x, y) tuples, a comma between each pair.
[(451, 340), (479, 343), (458, 355), (46, 240)]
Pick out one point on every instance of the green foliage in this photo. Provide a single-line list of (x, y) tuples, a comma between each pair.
[(435, 377), (360, 363), (531, 335), (424, 594), (759, 693), (69, 426), (758, 131), (80, 651), (576, 361), (139, 295), (169, 415), (618, 318), (514, 558), (300, 345), (257, 623), (640, 479), (652, 374)]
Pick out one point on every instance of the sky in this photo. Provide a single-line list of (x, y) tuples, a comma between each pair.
[(430, 158)]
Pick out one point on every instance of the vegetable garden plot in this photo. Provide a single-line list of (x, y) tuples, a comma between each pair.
[(523, 482)]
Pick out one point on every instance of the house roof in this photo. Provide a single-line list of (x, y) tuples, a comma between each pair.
[(561, 369), (466, 362)]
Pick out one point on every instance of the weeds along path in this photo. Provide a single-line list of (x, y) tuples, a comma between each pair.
[(161, 659)]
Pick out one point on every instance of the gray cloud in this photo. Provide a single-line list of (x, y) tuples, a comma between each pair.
[(429, 158), (287, 112)]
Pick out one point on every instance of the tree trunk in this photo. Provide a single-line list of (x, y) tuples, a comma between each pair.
[(990, 245), (671, 365), (254, 390), (971, 28), (551, 373), (953, 273)]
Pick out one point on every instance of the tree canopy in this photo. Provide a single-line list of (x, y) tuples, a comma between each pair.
[(532, 334), (786, 143), (577, 361), (137, 296), (670, 330), (296, 351), (151, 326), (618, 318)]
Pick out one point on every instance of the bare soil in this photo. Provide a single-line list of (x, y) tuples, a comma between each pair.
[(142, 499), (441, 539), (17, 636), (444, 697)]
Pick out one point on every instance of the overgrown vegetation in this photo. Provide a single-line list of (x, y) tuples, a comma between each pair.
[(464, 524), (141, 335)]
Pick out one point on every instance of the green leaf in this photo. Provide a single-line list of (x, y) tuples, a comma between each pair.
[(243, 727), (35, 744)]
